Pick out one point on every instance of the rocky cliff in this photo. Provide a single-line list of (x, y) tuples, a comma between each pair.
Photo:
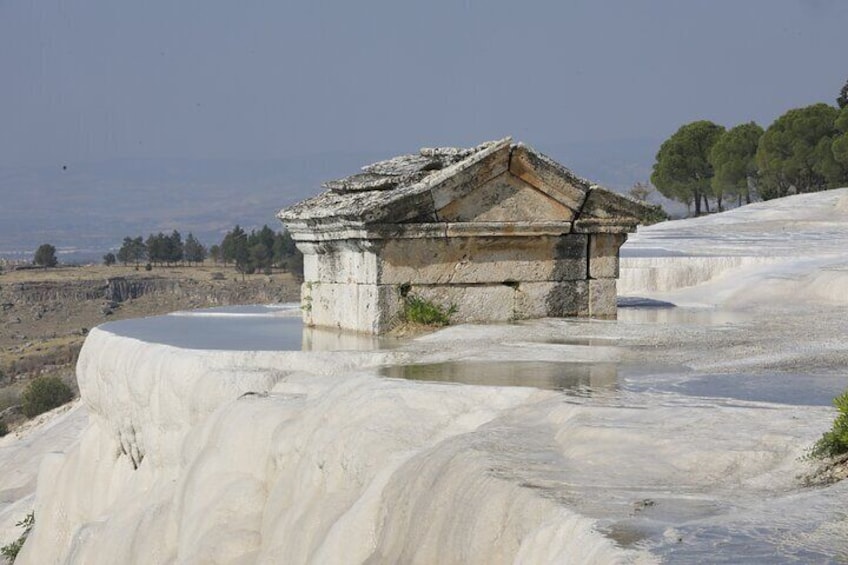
[(121, 289), (45, 314)]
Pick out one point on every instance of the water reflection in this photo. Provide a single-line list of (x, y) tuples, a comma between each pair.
[(214, 332), (243, 328), (674, 315), (793, 389), (326, 339), (551, 375), (585, 342)]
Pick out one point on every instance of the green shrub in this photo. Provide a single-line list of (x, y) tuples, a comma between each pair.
[(10, 551), (420, 311), (835, 441), (43, 394), (4, 429)]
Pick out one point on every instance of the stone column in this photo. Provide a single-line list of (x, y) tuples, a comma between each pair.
[(603, 272)]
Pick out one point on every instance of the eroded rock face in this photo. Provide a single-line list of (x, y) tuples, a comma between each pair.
[(496, 232)]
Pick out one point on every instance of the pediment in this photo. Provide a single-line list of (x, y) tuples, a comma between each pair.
[(505, 198), (495, 182), (548, 176)]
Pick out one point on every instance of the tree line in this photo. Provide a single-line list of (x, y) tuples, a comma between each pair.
[(258, 251), (804, 150)]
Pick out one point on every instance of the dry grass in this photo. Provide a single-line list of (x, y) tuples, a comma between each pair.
[(34, 356), (101, 272)]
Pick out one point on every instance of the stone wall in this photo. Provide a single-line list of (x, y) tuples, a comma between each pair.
[(497, 232), (361, 285)]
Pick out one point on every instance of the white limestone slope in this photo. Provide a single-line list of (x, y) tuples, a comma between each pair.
[(21, 453), (178, 466), (794, 248), (239, 457)]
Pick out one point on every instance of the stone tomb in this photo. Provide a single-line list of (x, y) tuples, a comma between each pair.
[(499, 232)]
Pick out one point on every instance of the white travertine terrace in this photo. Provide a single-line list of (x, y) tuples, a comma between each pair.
[(794, 248), (237, 457)]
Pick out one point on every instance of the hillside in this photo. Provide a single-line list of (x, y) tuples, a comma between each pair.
[(46, 314)]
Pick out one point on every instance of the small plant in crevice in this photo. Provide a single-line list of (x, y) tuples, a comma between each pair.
[(418, 310), (10, 551), (834, 442)]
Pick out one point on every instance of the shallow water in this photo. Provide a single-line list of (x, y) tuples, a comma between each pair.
[(215, 332), (667, 313), (789, 389), (549, 375), (279, 328), (243, 328)]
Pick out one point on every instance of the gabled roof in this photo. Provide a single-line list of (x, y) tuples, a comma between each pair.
[(413, 189)]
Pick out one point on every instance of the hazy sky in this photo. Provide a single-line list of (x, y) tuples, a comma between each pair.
[(87, 80)]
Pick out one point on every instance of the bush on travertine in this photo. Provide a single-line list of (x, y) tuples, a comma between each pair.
[(834, 442), (43, 394), (420, 311)]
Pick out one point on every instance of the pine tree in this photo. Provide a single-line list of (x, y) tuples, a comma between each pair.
[(45, 256), (193, 250)]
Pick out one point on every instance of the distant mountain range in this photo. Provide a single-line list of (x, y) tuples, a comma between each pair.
[(86, 209)]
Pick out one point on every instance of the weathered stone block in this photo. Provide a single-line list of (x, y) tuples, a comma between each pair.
[(552, 299), (465, 260), (602, 298), (474, 303), (603, 254), (341, 266), (311, 268), (357, 307)]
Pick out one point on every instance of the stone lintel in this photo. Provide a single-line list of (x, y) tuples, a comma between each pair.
[(512, 229), (608, 225), (429, 230)]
